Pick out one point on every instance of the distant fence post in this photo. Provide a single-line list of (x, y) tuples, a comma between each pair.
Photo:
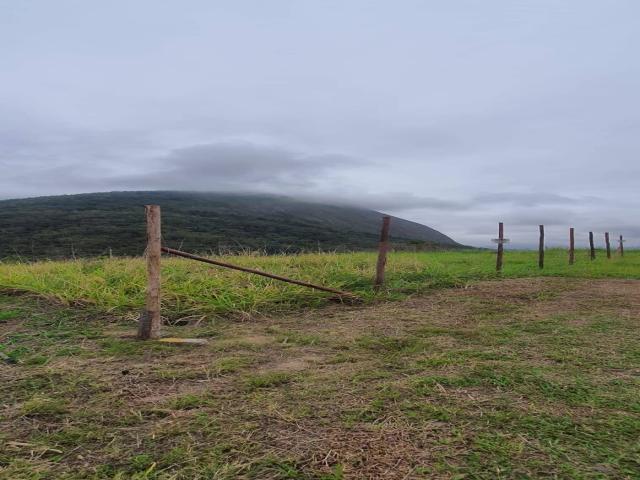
[(541, 248), (572, 246), (500, 247), (592, 248), (383, 247), (149, 326), (608, 244), (621, 246)]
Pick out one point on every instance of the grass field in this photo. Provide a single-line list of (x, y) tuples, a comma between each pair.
[(535, 377), (191, 288)]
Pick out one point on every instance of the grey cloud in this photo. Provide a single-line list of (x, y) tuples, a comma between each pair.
[(540, 216), (531, 199), (398, 201), (241, 165)]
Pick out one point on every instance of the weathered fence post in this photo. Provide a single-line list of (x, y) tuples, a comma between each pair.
[(572, 246), (149, 326), (383, 247), (608, 244), (621, 246), (592, 248), (541, 248), (500, 247)]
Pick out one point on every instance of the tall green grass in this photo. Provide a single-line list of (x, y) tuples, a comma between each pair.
[(194, 288)]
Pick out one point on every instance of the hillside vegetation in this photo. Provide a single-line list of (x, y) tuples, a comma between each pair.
[(191, 288), (101, 223)]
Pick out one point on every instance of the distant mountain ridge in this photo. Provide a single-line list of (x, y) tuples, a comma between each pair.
[(96, 223)]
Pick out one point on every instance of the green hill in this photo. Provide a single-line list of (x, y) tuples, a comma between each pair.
[(96, 223)]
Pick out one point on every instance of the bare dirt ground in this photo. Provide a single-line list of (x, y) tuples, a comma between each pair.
[(527, 378)]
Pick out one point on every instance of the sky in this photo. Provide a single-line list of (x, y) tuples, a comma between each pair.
[(455, 114)]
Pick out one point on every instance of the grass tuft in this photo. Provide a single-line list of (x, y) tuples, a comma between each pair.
[(40, 405), (268, 380)]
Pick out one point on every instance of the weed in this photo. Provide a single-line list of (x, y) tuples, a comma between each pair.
[(268, 380), (40, 405), (227, 365), (190, 401), (8, 315)]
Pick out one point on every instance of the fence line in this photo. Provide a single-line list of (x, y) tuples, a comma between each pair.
[(150, 320), (572, 246), (501, 241), (383, 248), (541, 248)]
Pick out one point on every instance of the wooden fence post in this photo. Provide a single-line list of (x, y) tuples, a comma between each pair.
[(383, 247), (149, 326), (608, 244), (541, 248), (500, 247), (621, 246), (592, 248), (572, 246)]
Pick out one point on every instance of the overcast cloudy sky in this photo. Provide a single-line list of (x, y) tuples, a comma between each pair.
[(456, 114)]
